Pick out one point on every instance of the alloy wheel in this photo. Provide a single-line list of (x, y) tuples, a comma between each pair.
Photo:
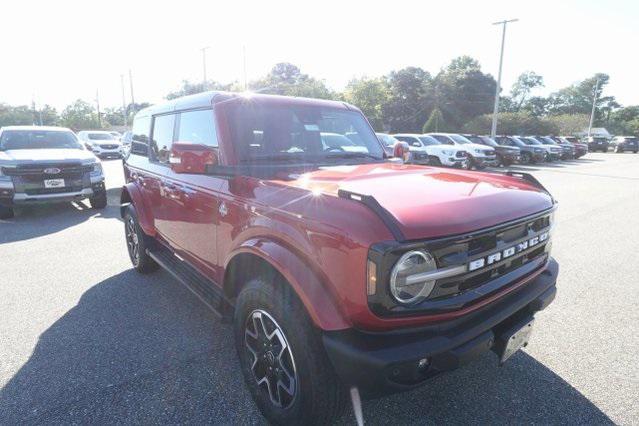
[(132, 242), (271, 358)]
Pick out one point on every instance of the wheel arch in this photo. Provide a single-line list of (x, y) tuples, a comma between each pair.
[(131, 194), (262, 257)]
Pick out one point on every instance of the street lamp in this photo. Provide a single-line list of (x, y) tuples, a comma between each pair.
[(493, 130), (594, 103), (204, 49)]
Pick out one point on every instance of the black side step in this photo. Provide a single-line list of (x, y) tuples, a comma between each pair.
[(205, 289)]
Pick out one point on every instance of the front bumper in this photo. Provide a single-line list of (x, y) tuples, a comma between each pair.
[(509, 158), (8, 197), (454, 161), (385, 362), (484, 161), (107, 153)]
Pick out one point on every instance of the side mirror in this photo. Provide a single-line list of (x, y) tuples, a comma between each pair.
[(401, 150), (188, 157)]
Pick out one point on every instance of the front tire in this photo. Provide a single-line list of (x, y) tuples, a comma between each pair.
[(98, 201), (6, 212), (434, 161), (283, 360), (526, 158), (137, 243)]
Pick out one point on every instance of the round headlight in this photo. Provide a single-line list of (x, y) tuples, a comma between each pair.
[(405, 283)]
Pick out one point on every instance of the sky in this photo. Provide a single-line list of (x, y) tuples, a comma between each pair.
[(57, 51)]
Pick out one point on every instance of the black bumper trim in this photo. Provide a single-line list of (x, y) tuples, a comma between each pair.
[(386, 362)]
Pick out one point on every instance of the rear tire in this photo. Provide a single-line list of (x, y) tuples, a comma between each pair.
[(6, 212), (307, 390), (137, 243), (99, 201)]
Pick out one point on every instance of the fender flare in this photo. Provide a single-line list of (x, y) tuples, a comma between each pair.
[(318, 301), (131, 194)]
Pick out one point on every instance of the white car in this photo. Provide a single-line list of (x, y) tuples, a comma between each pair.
[(479, 156), (102, 143), (427, 150)]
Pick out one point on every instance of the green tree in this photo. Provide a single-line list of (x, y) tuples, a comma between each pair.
[(288, 80), (435, 122), (80, 115), (410, 99), (537, 106), (16, 115), (569, 124), (512, 123), (49, 115), (190, 88), (369, 95), (463, 91), (525, 84), (577, 98)]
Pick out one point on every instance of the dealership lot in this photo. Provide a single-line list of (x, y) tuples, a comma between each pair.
[(85, 339)]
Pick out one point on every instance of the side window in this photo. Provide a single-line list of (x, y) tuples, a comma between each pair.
[(140, 135), (198, 127), (162, 138), (442, 139)]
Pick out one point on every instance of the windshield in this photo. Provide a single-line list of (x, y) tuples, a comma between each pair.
[(38, 139), (300, 134), (386, 140), (429, 140), (460, 139), (530, 141), (101, 136)]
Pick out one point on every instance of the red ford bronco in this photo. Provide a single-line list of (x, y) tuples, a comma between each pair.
[(337, 267)]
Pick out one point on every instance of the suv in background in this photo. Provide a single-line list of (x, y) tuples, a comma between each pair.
[(479, 156), (428, 150), (581, 149), (529, 153), (41, 164), (103, 144), (553, 151), (337, 269), (625, 143), (506, 155), (567, 149), (597, 143), (388, 143)]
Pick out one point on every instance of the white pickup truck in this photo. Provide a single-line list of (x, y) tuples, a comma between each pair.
[(425, 149)]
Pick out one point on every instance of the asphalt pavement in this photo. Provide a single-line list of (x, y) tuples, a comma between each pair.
[(86, 340)]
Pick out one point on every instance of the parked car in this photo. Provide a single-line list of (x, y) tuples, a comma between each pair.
[(625, 143), (479, 156), (427, 150), (126, 140), (581, 149), (116, 135), (506, 155), (103, 144), (46, 164), (567, 149), (530, 153), (553, 152), (597, 143), (388, 143), (336, 269)]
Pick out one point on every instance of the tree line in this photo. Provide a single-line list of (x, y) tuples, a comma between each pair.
[(459, 98)]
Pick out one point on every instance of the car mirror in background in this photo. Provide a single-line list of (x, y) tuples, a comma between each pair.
[(187, 157), (401, 150)]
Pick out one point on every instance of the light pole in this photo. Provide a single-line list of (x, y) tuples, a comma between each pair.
[(244, 60), (204, 49), (124, 114), (594, 103), (493, 129), (131, 83)]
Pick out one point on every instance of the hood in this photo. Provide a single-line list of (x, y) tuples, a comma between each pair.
[(46, 155), (430, 202)]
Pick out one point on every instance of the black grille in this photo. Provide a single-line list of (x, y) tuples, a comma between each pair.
[(106, 146), (38, 170), (460, 154)]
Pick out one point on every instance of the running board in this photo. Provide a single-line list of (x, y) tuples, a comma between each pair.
[(202, 287)]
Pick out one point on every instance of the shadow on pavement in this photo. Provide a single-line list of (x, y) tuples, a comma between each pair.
[(43, 219), (141, 349)]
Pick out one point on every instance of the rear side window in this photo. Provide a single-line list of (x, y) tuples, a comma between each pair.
[(162, 138), (140, 135), (198, 127), (443, 139)]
